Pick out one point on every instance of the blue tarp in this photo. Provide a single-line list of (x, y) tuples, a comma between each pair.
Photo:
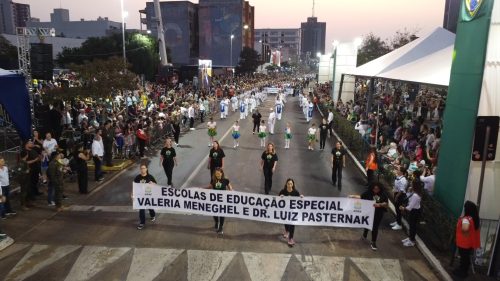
[(14, 98)]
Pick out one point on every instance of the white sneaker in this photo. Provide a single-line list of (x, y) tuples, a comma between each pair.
[(405, 240), (394, 223), (397, 227), (409, 244)]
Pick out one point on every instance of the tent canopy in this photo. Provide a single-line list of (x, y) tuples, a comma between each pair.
[(425, 60), (14, 98)]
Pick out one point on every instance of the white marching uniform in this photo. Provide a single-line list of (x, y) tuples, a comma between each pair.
[(223, 109), (310, 108), (226, 104), (242, 109), (271, 121), (278, 108), (234, 103)]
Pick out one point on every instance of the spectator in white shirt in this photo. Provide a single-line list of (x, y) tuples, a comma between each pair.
[(98, 153), (429, 180), (399, 190), (49, 144), (5, 190), (330, 121), (191, 117)]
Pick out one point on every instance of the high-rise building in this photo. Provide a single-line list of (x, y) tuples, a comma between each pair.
[(451, 11), (313, 35), (225, 27), (180, 21), (287, 40), (13, 15), (64, 27)]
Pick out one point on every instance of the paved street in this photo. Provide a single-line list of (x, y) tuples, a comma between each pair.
[(96, 238)]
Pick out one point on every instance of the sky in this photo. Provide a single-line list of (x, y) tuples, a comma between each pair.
[(345, 19)]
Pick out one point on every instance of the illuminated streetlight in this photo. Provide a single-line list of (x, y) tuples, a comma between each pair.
[(231, 52), (148, 31), (245, 26)]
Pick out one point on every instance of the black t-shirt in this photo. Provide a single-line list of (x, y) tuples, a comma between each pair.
[(216, 158), (285, 192), (168, 155), (256, 117), (222, 184), (144, 179), (32, 155), (378, 198), (323, 129), (269, 159), (338, 155)]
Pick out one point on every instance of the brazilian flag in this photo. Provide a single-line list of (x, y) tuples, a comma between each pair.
[(462, 103)]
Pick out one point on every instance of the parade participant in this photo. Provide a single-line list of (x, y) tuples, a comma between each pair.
[(271, 121), (222, 109), (219, 182), (253, 103), (256, 116), (330, 121), (338, 163), (97, 154), (247, 105), (268, 163), (242, 109), (226, 107), (56, 182), (323, 133), (215, 158), (262, 133), (168, 159), (376, 194), (5, 187), (310, 108), (278, 107), (371, 165), (311, 136), (415, 210), (400, 197), (234, 103), (212, 131), (203, 110), (144, 177), (191, 116), (81, 157), (288, 135), (236, 134), (468, 237), (289, 190)]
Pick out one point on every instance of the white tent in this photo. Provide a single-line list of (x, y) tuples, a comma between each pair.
[(425, 60)]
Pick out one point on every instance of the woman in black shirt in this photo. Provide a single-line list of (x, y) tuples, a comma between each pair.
[(168, 159), (215, 158), (289, 190), (375, 193), (145, 177), (268, 163), (219, 182)]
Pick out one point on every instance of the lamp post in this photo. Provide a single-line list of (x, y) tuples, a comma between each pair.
[(231, 52), (124, 15), (335, 44)]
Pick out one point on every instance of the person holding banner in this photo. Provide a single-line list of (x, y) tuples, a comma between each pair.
[(219, 182), (215, 158), (145, 177), (168, 160), (376, 194), (290, 190), (212, 130), (268, 163)]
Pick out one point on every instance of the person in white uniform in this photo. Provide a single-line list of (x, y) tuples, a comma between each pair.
[(234, 103), (242, 109), (271, 121), (310, 108), (279, 106)]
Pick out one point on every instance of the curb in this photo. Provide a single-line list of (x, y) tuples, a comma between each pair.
[(431, 259), (6, 242)]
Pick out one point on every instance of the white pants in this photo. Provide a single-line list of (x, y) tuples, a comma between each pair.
[(263, 142), (242, 115), (287, 143), (271, 127), (278, 116)]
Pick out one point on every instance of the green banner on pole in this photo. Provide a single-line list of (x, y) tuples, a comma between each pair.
[(462, 103)]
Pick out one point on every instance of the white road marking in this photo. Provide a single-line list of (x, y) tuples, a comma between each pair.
[(379, 269), (207, 265), (92, 260), (38, 257), (323, 268), (266, 267), (11, 249), (148, 263)]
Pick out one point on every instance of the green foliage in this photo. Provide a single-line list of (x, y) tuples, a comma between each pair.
[(249, 61), (8, 54), (99, 78), (141, 51)]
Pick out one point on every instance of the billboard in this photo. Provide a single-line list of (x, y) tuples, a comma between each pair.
[(205, 73)]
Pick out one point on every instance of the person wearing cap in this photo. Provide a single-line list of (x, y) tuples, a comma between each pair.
[(271, 121)]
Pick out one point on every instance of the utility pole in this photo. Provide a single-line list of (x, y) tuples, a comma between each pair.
[(313, 8), (161, 34)]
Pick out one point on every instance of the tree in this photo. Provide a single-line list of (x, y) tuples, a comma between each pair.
[(402, 38), (8, 54), (249, 61), (98, 78), (371, 48)]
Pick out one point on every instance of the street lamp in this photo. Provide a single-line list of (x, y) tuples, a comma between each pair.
[(231, 52), (148, 31), (124, 15), (335, 44), (245, 26)]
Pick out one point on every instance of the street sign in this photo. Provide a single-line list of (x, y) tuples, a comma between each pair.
[(480, 135)]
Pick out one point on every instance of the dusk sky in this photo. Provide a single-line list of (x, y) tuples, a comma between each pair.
[(345, 19)]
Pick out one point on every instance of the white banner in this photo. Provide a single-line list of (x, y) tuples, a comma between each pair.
[(322, 211)]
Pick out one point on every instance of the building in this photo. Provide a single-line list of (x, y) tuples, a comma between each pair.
[(225, 28), (451, 11), (313, 35), (64, 27), (180, 21), (13, 15), (287, 40)]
